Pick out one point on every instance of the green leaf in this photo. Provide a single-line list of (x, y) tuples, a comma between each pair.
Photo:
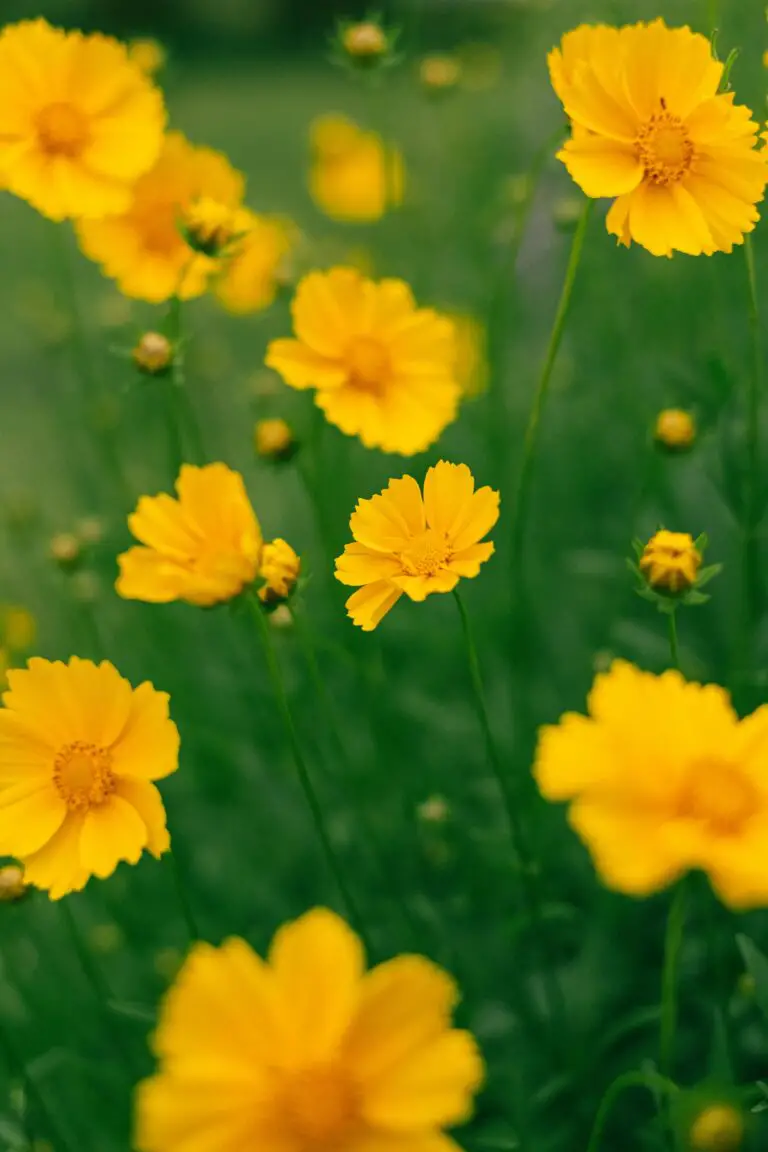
[(757, 966), (701, 542), (695, 597), (141, 1013), (720, 1065), (707, 574)]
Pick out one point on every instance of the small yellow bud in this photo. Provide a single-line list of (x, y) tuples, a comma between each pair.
[(65, 550), (439, 73), (147, 54), (12, 886), (210, 227), (719, 1128), (274, 439), (434, 810), (280, 567), (153, 354), (675, 428), (366, 41), (670, 561), (281, 617), (18, 628)]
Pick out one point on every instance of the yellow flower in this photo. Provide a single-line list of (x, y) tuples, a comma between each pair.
[(147, 54), (211, 226), (366, 40), (79, 122), (664, 778), (719, 1128), (383, 368), (203, 547), (471, 354), (675, 428), (671, 561), (274, 438), (678, 156), (280, 567), (153, 354), (79, 749), (353, 177), (143, 249), (12, 886), (307, 1051), (258, 264), (406, 543), (438, 73)]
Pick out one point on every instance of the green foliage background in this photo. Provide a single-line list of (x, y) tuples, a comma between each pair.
[(643, 334)]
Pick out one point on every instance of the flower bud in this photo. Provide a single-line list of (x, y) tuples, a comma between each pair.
[(670, 561), (273, 439), (719, 1128), (439, 73), (365, 42), (210, 227), (153, 354), (675, 429), (280, 567), (12, 886), (65, 550)]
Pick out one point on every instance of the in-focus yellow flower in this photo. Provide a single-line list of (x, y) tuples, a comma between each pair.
[(147, 54), (143, 249), (384, 369), (18, 627), (79, 749), (280, 567), (719, 1128), (153, 354), (671, 561), (79, 123), (675, 428), (366, 40), (472, 368), (203, 547), (12, 886), (353, 176), (274, 438), (663, 778), (438, 73), (306, 1051), (258, 264), (406, 543), (678, 156)]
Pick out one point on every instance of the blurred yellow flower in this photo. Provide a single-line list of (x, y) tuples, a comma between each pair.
[(406, 543), (79, 749), (384, 369), (12, 885), (280, 567), (143, 249), (79, 122), (18, 627), (147, 54), (440, 72), (252, 273), (678, 157), (471, 341), (663, 778), (675, 428), (671, 561), (203, 547), (353, 176), (718, 1128), (273, 438), (307, 1051)]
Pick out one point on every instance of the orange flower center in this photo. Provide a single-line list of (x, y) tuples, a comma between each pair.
[(717, 796), (368, 364), (62, 130), (321, 1107), (426, 554), (664, 148), (83, 775)]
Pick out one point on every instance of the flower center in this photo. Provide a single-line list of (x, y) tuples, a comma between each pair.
[(426, 554), (664, 148), (321, 1106), (62, 130), (368, 364), (83, 776), (717, 796)]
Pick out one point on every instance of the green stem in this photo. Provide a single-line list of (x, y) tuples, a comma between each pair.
[(674, 647), (17, 1070), (672, 945), (750, 558), (658, 1085), (183, 428), (305, 779), (184, 902), (522, 488)]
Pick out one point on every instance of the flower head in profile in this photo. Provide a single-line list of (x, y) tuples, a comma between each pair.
[(414, 544), (79, 749), (383, 368), (79, 122), (204, 546), (280, 568), (143, 248), (306, 1051), (670, 560), (353, 177), (652, 131), (662, 778), (255, 269)]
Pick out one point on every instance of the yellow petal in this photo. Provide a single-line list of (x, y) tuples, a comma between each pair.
[(148, 575), (148, 746), (419, 587), (328, 308), (630, 850), (477, 519), (147, 801), (301, 367), (361, 565), (448, 490), (663, 220), (467, 562), (57, 866), (370, 604), (112, 832), (30, 814), (602, 167)]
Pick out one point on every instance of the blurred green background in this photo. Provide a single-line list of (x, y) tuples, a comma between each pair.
[(643, 334)]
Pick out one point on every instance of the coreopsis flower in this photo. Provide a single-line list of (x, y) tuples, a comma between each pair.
[(670, 561), (675, 429), (717, 1128), (153, 354), (280, 568), (203, 547), (384, 370), (259, 263), (143, 249), (210, 226), (147, 54), (274, 439), (662, 778), (677, 156), (80, 122), (353, 176), (306, 1051), (406, 543), (79, 749)]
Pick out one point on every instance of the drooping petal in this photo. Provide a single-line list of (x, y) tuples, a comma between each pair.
[(30, 814), (301, 367), (144, 797), (57, 866), (370, 604), (112, 831), (148, 745)]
